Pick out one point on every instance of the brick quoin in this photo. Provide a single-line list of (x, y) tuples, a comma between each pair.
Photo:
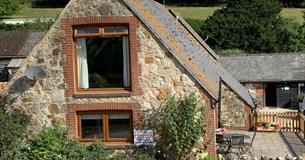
[(69, 48), (210, 122)]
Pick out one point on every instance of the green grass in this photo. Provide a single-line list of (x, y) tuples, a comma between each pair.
[(203, 13), (28, 12), (200, 13), (294, 13)]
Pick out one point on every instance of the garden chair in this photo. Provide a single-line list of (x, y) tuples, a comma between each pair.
[(248, 146)]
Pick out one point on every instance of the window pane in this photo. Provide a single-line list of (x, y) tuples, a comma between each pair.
[(115, 29), (119, 125), (105, 62), (92, 126), (87, 30)]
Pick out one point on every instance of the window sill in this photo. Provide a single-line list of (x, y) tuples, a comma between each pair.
[(114, 145), (119, 145), (102, 95)]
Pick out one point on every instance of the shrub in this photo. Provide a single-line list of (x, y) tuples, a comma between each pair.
[(249, 25), (53, 144), (9, 7), (36, 25), (230, 52), (13, 126), (291, 37), (195, 24), (50, 3), (182, 124)]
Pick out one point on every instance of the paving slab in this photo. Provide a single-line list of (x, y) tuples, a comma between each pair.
[(275, 144)]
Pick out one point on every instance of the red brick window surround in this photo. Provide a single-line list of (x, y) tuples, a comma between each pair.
[(69, 49), (74, 111)]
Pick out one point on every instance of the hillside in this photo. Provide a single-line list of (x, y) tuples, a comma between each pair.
[(202, 13)]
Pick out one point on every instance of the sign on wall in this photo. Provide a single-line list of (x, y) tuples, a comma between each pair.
[(144, 137)]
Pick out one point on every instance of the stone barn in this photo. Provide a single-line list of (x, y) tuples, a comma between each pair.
[(106, 63), (274, 80)]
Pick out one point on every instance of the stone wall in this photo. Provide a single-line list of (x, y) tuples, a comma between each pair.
[(234, 113), (44, 98), (257, 92)]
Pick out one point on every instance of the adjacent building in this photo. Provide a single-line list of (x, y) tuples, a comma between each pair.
[(274, 80)]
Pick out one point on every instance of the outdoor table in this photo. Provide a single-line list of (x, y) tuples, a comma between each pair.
[(230, 135), (225, 144)]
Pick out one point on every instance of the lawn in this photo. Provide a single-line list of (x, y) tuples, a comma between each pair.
[(28, 12), (204, 12)]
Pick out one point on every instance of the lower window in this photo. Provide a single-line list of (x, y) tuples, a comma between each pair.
[(109, 126)]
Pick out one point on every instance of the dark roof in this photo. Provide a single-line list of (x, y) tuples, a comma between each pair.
[(196, 57), (18, 43), (266, 67)]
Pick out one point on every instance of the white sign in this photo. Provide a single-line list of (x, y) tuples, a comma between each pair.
[(144, 137)]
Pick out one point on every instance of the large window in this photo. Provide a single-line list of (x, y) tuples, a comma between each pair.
[(102, 57), (108, 126)]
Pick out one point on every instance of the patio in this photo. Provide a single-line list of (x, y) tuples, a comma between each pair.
[(275, 144)]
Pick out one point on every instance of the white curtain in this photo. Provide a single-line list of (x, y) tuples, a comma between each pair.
[(83, 77), (126, 69)]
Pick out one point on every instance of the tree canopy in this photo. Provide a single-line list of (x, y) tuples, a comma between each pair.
[(249, 25), (254, 26), (9, 7)]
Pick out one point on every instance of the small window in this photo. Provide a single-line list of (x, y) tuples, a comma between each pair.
[(92, 126), (87, 31), (105, 125), (103, 61), (115, 30), (119, 125)]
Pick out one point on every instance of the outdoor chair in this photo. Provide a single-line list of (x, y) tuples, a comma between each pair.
[(248, 146), (237, 142), (223, 145)]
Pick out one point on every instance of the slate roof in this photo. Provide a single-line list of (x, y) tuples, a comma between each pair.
[(19, 43), (274, 67), (196, 57)]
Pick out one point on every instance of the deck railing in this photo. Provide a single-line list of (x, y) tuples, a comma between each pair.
[(286, 121)]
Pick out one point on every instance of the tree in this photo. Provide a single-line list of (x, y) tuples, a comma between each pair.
[(9, 7), (249, 25), (50, 3)]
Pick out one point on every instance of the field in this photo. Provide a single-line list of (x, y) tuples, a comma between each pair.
[(28, 12), (204, 12), (200, 13)]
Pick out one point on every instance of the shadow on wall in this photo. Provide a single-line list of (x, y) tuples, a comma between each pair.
[(20, 85)]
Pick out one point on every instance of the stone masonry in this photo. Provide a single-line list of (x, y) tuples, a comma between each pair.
[(257, 92), (44, 98), (160, 75), (232, 109)]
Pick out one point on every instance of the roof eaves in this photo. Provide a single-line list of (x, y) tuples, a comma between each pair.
[(214, 95), (194, 34)]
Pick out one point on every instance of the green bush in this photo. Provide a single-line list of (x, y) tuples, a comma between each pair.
[(13, 126), (249, 25), (36, 25), (53, 144), (231, 52), (9, 7), (50, 3), (182, 124), (195, 24), (291, 37)]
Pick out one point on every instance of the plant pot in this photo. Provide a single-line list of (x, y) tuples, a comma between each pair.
[(262, 129)]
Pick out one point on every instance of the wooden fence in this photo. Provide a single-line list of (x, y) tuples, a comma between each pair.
[(286, 121)]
